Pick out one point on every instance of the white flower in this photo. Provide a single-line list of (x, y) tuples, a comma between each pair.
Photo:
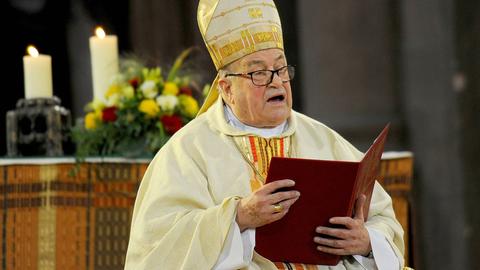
[(167, 102), (149, 89)]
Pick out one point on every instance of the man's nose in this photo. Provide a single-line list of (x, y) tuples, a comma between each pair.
[(276, 80)]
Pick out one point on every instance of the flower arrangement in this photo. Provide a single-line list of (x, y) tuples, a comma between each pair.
[(141, 111)]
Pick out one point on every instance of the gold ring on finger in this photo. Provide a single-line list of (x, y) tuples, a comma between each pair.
[(277, 208)]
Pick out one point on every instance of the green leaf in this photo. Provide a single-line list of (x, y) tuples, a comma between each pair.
[(178, 64)]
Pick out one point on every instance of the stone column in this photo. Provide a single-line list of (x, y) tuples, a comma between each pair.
[(347, 68), (433, 119)]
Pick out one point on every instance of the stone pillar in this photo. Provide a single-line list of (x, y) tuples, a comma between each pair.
[(433, 119), (467, 85), (346, 53)]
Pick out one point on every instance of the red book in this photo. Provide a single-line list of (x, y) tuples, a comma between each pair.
[(328, 189)]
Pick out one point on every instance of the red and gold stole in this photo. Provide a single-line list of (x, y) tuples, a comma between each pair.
[(258, 152)]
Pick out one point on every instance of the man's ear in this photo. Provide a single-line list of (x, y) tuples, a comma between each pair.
[(225, 86)]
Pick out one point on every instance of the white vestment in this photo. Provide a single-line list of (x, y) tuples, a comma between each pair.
[(238, 249), (186, 203)]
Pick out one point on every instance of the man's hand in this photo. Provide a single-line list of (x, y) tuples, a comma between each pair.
[(354, 240), (265, 205)]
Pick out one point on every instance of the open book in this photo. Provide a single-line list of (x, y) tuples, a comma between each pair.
[(328, 189)]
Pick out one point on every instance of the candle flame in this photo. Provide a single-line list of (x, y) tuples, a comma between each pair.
[(32, 51), (99, 32)]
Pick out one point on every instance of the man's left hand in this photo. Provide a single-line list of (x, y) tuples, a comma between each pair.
[(353, 240)]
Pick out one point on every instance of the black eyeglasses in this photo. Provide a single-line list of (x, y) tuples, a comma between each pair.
[(265, 77)]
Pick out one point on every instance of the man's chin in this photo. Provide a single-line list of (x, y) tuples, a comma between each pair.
[(278, 118)]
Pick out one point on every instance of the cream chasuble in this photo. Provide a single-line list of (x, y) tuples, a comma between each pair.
[(187, 200), (257, 150)]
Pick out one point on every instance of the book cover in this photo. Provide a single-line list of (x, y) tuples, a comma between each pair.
[(328, 189)]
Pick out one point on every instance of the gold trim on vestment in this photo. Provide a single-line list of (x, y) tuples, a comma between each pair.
[(258, 153)]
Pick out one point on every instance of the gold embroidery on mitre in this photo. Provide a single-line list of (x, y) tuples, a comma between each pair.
[(226, 12), (222, 51), (231, 48), (263, 37), (277, 36), (255, 13), (262, 25), (247, 40)]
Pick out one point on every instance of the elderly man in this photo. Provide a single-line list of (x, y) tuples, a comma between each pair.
[(203, 195)]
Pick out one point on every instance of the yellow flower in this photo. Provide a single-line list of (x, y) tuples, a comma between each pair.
[(128, 91), (188, 105), (113, 89), (170, 88), (149, 107), (98, 113), (90, 120), (95, 105)]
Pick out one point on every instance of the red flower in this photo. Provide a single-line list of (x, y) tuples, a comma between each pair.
[(185, 90), (171, 123), (109, 114), (134, 82)]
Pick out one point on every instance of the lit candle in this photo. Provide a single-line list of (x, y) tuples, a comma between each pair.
[(37, 71), (104, 57)]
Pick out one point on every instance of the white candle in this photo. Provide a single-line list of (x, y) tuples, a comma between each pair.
[(37, 71), (104, 57)]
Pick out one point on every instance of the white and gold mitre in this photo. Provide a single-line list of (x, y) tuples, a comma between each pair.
[(232, 29)]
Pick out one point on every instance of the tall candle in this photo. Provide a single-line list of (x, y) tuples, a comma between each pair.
[(37, 71), (104, 58)]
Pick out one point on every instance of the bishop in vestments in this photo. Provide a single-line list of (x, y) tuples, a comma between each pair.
[(203, 194)]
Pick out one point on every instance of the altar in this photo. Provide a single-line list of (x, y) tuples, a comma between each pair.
[(52, 219), (57, 214)]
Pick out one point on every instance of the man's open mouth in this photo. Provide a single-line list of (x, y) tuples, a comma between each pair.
[(277, 98)]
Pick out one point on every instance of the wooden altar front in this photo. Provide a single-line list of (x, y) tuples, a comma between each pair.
[(50, 219)]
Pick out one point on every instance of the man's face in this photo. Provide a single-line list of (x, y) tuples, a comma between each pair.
[(258, 106)]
